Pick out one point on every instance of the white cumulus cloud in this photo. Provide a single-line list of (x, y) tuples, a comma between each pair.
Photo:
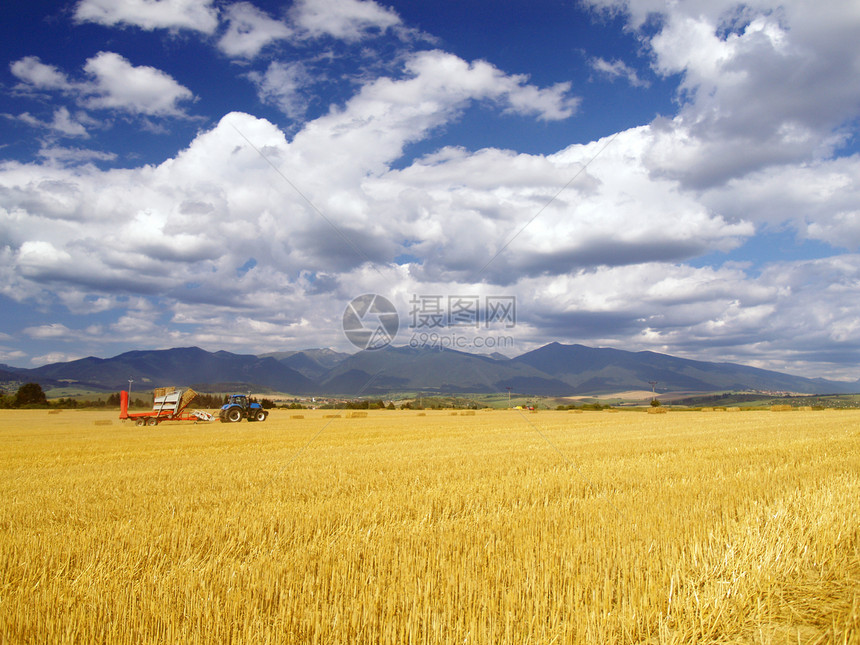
[(617, 69), (111, 82), (284, 86), (249, 30), (38, 75), (349, 20), (62, 124), (762, 84), (117, 84), (196, 15)]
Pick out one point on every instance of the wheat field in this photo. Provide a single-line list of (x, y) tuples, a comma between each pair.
[(498, 527)]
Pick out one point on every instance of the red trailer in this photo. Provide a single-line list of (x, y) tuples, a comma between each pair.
[(169, 404)]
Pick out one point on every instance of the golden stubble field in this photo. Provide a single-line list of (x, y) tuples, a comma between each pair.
[(500, 527)]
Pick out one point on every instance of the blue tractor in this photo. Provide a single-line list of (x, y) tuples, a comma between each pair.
[(240, 407)]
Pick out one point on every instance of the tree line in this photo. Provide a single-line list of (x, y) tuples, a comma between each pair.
[(31, 396)]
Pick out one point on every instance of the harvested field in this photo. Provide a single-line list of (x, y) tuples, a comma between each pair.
[(499, 527)]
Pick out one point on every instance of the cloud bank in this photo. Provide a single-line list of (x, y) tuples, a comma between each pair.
[(255, 235)]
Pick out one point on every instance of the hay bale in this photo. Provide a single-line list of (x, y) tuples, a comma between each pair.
[(422, 414), (733, 409), (780, 408), (468, 413), (102, 422), (187, 397), (297, 416), (356, 415), (331, 416), (805, 408), (576, 411), (707, 409), (657, 410), (54, 411), (163, 391)]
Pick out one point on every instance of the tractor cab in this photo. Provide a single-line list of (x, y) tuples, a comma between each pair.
[(238, 399)]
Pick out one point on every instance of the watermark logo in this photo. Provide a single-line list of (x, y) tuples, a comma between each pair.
[(433, 312), (452, 340), (465, 322), (370, 321)]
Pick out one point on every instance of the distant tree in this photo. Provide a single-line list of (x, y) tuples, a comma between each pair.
[(208, 401), (391, 405), (63, 403), (113, 400), (655, 403), (30, 394), (592, 406)]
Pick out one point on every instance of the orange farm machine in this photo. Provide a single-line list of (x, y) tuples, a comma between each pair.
[(169, 404)]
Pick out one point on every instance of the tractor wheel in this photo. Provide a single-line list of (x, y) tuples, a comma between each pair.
[(260, 415), (140, 422), (152, 422), (234, 415)]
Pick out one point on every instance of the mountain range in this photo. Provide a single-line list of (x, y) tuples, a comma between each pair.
[(552, 370)]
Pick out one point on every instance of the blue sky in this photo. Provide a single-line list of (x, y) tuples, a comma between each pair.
[(676, 177)]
